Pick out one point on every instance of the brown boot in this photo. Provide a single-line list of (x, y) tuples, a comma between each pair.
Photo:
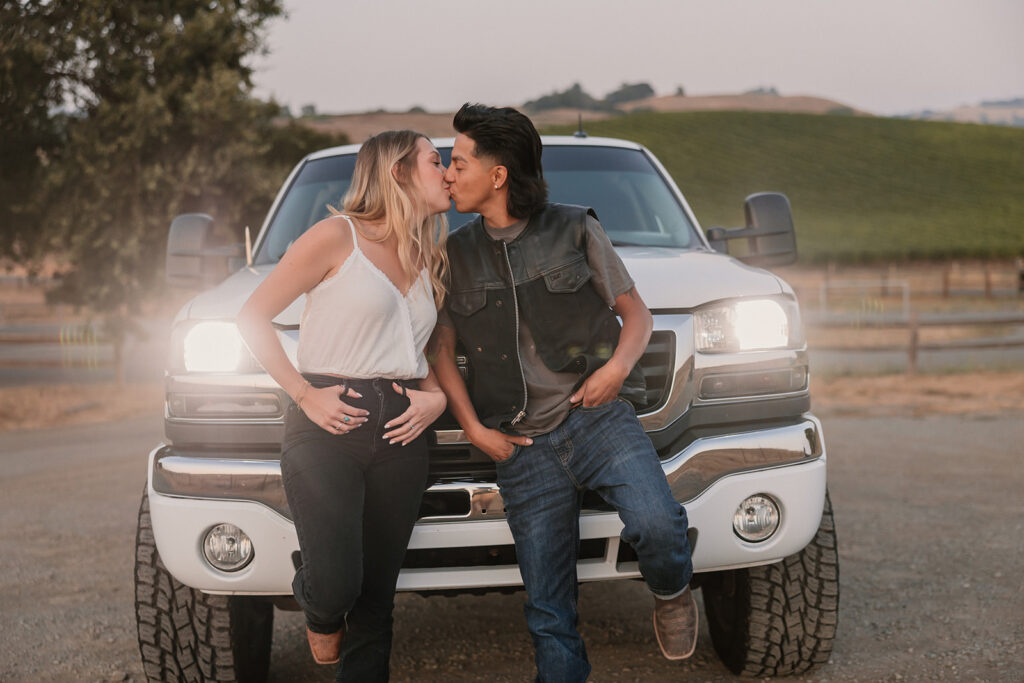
[(326, 647), (675, 625)]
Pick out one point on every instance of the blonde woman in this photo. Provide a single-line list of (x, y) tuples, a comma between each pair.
[(354, 455)]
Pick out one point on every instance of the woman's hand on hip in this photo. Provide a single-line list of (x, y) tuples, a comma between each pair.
[(424, 408), (325, 408)]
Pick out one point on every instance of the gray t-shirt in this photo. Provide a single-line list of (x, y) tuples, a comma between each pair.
[(548, 392)]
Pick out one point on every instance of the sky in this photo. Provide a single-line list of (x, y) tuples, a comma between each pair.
[(883, 56)]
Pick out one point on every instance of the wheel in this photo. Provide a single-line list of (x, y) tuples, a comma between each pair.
[(778, 619), (186, 635)]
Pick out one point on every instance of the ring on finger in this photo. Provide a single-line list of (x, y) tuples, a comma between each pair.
[(346, 419)]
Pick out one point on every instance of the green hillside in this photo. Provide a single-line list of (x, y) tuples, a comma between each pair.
[(861, 188)]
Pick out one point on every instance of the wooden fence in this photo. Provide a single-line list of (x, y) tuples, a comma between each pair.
[(912, 322)]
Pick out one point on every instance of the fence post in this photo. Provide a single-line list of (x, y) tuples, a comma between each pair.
[(988, 282), (912, 349), (945, 282), (1020, 276)]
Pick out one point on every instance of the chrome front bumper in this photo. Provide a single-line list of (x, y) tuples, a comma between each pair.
[(712, 475)]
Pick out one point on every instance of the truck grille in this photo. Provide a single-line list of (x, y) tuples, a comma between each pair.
[(461, 463), (657, 364)]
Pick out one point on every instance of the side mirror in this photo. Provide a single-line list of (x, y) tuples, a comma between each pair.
[(191, 260), (769, 236)]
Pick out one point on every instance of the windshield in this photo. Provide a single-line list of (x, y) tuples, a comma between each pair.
[(632, 200)]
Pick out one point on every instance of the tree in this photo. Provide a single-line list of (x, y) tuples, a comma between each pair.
[(163, 123), (628, 93), (574, 97), (35, 46)]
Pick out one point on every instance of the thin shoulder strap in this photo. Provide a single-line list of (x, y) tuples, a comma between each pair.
[(355, 233)]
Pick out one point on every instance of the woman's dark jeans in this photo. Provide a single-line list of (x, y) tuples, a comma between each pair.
[(354, 499)]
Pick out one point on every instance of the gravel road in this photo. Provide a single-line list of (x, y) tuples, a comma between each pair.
[(929, 515)]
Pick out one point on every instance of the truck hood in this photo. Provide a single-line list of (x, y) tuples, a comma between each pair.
[(224, 301), (666, 279), (676, 279)]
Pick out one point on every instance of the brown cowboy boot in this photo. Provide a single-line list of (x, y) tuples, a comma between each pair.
[(326, 647), (675, 625)]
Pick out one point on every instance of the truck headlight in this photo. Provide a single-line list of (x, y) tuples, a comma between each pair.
[(214, 346), (748, 325)]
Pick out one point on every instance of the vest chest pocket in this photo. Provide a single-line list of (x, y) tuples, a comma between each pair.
[(467, 302), (568, 278)]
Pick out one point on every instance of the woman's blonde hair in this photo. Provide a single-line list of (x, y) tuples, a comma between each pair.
[(376, 193)]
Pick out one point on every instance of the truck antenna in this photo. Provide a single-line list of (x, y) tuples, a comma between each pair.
[(579, 131)]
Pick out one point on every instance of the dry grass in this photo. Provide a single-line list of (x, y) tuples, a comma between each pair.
[(972, 393), (42, 406)]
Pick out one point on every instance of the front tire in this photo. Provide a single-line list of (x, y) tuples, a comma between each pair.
[(187, 635), (778, 619)]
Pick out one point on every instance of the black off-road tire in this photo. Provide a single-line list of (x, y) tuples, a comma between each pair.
[(186, 635), (778, 619)]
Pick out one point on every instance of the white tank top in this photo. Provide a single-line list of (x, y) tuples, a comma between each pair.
[(358, 324)]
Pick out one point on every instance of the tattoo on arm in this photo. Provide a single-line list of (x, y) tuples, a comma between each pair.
[(441, 344)]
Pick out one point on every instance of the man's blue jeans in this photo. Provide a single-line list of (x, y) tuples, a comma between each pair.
[(602, 448)]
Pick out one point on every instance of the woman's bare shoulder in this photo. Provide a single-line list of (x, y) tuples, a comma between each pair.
[(331, 232)]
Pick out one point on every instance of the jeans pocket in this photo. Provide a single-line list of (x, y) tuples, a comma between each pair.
[(601, 406), (516, 449), (297, 427)]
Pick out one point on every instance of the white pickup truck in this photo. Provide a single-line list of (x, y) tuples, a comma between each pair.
[(727, 409)]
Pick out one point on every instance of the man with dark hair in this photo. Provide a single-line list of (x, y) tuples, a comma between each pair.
[(535, 289)]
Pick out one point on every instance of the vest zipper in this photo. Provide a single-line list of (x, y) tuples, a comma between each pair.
[(515, 304)]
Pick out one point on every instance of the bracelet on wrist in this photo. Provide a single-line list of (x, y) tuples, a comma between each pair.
[(302, 393)]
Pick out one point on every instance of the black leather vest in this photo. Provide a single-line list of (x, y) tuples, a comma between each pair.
[(572, 326)]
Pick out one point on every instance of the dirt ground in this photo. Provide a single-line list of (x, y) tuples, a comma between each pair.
[(928, 514), (38, 406)]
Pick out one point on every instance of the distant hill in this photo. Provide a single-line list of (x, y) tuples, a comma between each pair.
[(360, 126), (862, 188), (1003, 113), (803, 104)]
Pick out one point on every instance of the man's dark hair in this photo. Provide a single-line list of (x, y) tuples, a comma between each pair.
[(509, 138)]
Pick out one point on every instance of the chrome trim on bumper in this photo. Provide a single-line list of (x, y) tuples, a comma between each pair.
[(705, 461), (689, 472), (220, 479)]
